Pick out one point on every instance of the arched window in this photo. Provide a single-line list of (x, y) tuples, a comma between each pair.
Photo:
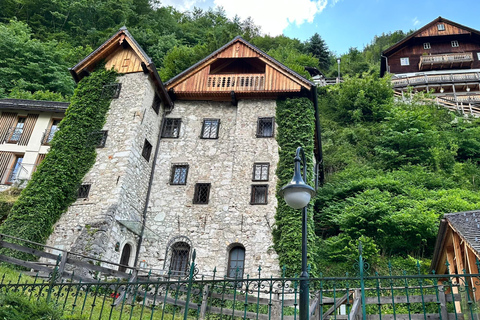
[(180, 257), (125, 258), (236, 262)]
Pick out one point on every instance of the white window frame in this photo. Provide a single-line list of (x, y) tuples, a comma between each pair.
[(405, 61), (426, 45), (478, 55), (441, 27), (454, 43)]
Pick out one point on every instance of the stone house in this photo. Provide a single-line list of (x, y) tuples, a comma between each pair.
[(189, 165)]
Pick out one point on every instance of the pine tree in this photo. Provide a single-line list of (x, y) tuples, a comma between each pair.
[(317, 47)]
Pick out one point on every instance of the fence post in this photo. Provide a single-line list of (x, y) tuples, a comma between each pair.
[(362, 280), (190, 283), (443, 302), (203, 308), (53, 279), (63, 263)]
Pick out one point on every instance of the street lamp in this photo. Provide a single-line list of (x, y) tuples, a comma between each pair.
[(338, 62), (297, 194)]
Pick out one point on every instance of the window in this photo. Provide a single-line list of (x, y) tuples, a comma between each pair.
[(179, 260), (102, 138), (260, 171), (265, 127), (171, 128), (441, 27), (478, 55), (147, 150), (454, 43), (236, 262), (15, 169), (210, 128), (202, 193), (157, 102), (404, 61), (259, 194), (17, 130), (83, 191), (179, 174), (51, 131), (112, 90), (426, 45)]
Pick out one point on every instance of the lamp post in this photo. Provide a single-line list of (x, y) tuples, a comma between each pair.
[(297, 194), (338, 62)]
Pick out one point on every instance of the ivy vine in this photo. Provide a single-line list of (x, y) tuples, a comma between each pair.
[(296, 128), (53, 187)]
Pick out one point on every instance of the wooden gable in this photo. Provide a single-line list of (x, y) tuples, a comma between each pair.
[(432, 30), (237, 67)]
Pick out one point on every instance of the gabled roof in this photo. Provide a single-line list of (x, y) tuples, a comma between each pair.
[(34, 105), (250, 51), (125, 55), (466, 225), (420, 32)]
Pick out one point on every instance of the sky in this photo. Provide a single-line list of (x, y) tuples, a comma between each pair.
[(341, 23)]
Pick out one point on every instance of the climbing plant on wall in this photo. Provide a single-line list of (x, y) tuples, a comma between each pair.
[(296, 128), (54, 185)]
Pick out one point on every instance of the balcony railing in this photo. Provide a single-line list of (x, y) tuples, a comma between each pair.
[(435, 79), (48, 135), (444, 59), (240, 82)]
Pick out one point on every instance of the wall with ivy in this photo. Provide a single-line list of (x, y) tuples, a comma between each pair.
[(296, 127), (54, 185)]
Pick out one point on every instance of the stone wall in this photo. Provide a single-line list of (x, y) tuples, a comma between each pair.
[(119, 178), (227, 163)]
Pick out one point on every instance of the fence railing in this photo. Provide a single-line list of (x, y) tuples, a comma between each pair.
[(362, 296)]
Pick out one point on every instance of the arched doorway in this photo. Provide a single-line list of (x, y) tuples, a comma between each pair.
[(125, 257)]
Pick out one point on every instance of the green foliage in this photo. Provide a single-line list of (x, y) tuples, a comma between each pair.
[(296, 126), (54, 185), (47, 95), (318, 48), (7, 199), (294, 59), (17, 306), (31, 65), (180, 58)]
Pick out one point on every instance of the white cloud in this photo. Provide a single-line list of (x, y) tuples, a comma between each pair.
[(415, 21), (273, 16)]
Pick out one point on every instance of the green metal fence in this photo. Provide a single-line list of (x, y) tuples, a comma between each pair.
[(362, 296)]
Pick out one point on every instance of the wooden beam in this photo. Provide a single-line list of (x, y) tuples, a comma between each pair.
[(451, 270), (472, 269)]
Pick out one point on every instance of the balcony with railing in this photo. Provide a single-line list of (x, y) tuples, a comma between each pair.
[(426, 79), (236, 82), (437, 61)]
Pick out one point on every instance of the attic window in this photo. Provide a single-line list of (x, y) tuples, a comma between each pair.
[(454, 43), (426, 45), (441, 27)]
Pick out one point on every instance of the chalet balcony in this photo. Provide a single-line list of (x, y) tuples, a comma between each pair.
[(426, 79), (236, 82), (441, 61)]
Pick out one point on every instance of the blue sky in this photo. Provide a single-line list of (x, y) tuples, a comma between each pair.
[(341, 23)]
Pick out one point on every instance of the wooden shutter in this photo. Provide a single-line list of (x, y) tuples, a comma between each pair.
[(27, 129), (6, 159), (6, 121)]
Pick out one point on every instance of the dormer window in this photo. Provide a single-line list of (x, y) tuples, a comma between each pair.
[(454, 44), (441, 27), (426, 45)]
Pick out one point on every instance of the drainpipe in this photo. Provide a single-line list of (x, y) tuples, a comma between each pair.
[(149, 190), (319, 165)]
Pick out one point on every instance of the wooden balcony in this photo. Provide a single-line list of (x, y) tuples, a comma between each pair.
[(440, 61), (422, 80), (235, 82)]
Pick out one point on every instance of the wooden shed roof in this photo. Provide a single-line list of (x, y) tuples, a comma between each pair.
[(125, 55), (240, 48), (466, 225)]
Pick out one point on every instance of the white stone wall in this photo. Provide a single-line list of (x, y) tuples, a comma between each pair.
[(119, 178), (226, 163)]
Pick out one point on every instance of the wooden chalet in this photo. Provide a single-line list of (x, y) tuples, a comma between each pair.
[(442, 57), (122, 53), (238, 70), (458, 242)]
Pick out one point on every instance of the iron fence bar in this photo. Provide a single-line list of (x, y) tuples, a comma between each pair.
[(284, 268), (154, 300), (270, 286), (166, 295), (124, 298), (145, 294), (348, 298), (469, 300), (420, 281), (295, 303), (320, 301), (439, 307), (362, 280), (334, 300), (408, 298), (190, 282), (450, 283), (85, 299), (391, 291), (54, 276), (103, 304), (133, 299), (378, 297), (97, 289), (175, 305), (245, 304), (68, 293)]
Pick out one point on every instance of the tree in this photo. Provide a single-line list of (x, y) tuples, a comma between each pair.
[(317, 47)]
